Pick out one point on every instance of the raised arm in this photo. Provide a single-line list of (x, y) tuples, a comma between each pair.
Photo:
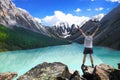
[(81, 31), (96, 30)]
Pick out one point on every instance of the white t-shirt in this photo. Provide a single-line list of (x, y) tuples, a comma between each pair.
[(88, 41)]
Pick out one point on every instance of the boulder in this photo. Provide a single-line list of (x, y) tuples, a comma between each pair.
[(76, 76), (101, 72), (47, 71), (8, 75)]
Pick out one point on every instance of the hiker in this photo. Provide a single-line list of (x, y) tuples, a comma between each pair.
[(88, 45)]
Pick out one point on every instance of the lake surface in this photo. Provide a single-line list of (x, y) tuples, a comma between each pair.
[(71, 55)]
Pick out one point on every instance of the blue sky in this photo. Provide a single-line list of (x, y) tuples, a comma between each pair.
[(47, 10)]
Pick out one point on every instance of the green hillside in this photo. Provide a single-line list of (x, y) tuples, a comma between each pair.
[(20, 38)]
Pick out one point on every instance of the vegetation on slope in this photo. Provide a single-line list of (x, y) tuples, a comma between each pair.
[(20, 38)]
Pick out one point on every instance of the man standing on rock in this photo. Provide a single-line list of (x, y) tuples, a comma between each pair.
[(88, 45)]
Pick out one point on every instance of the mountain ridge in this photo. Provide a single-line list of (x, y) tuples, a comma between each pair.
[(108, 33), (19, 30), (13, 16)]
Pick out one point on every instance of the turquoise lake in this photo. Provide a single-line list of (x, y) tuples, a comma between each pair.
[(71, 55)]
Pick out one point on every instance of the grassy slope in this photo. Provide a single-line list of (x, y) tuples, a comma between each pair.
[(19, 38)]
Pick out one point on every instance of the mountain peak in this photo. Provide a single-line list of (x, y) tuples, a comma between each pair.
[(12, 16)]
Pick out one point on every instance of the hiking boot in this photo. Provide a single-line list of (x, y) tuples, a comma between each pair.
[(82, 66)]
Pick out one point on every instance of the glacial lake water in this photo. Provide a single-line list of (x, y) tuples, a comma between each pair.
[(71, 55)]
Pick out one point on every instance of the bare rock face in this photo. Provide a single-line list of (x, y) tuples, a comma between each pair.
[(47, 71), (108, 34), (8, 76), (11, 16), (101, 72)]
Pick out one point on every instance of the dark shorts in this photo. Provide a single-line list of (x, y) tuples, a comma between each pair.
[(88, 50)]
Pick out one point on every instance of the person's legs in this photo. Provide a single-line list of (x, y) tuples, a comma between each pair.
[(91, 59), (84, 58)]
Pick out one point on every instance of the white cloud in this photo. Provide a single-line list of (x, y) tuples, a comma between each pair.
[(98, 17), (88, 9), (62, 17), (114, 1), (99, 9), (78, 10), (38, 19)]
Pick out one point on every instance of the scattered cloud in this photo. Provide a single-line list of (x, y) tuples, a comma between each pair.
[(98, 17), (88, 9), (114, 1), (62, 17), (77, 10), (99, 9)]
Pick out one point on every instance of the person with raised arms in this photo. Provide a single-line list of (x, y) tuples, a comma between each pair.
[(88, 45)]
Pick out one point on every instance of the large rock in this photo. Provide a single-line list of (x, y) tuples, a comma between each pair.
[(8, 75), (76, 76), (47, 71), (101, 72), (11, 16)]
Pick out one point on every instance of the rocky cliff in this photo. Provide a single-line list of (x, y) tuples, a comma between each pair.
[(11, 16), (108, 35)]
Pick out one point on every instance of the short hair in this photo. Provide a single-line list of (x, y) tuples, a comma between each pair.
[(88, 33)]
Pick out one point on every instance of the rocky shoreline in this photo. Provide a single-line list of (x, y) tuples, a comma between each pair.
[(60, 71)]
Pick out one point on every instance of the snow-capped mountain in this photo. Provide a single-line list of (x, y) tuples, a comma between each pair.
[(64, 30)]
